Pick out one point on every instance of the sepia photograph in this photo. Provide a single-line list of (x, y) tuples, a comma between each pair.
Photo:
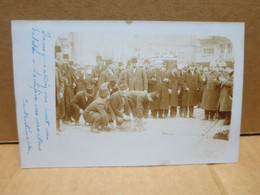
[(130, 93)]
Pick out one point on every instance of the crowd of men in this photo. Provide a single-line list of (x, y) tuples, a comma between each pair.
[(111, 93)]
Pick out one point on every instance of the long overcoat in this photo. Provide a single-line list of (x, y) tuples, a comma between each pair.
[(190, 86), (154, 86), (164, 96), (174, 86), (225, 99), (211, 93)]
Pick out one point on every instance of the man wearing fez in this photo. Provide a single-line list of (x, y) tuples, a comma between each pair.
[(70, 84), (154, 79), (174, 90), (98, 114), (120, 105), (80, 101), (190, 86), (139, 102), (137, 78), (97, 71)]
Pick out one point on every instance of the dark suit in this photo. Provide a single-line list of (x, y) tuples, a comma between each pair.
[(137, 80), (80, 101), (98, 113), (107, 76)]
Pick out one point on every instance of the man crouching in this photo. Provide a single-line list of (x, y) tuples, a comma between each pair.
[(80, 101), (120, 105), (99, 112)]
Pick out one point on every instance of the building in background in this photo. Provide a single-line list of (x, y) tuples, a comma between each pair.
[(214, 50), (175, 48)]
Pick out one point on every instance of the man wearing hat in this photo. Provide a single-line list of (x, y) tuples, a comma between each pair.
[(174, 90), (97, 71), (211, 94), (123, 77), (80, 101), (99, 113), (190, 86), (137, 78), (108, 75), (70, 84), (118, 69), (154, 78), (119, 104), (164, 92), (59, 89)]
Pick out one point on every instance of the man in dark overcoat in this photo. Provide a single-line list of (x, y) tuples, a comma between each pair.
[(154, 79), (59, 92), (137, 78), (164, 93), (97, 71), (190, 86), (226, 95), (174, 90), (211, 94)]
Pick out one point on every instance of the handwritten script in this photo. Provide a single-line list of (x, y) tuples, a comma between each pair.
[(40, 84)]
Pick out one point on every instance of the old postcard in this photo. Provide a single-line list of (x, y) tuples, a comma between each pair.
[(127, 93)]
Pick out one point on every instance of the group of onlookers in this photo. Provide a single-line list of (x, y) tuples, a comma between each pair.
[(110, 93)]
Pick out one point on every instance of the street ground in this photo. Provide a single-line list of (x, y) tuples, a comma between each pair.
[(176, 140)]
